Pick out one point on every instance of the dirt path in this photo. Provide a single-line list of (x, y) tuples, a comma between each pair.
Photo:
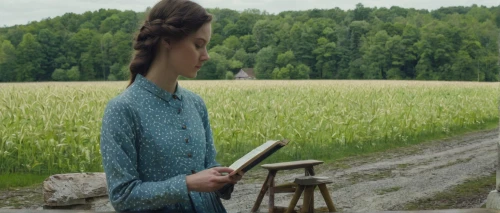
[(374, 182), (388, 181)]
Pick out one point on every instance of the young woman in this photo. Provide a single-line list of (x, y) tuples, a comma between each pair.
[(156, 142)]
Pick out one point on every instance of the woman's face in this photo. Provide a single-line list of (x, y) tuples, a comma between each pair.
[(186, 56)]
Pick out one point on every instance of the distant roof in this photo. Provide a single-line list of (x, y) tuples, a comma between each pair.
[(249, 71), (245, 73), (241, 74)]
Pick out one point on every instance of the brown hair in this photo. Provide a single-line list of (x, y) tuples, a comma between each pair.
[(171, 20)]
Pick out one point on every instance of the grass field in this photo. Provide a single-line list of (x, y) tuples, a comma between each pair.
[(48, 128)]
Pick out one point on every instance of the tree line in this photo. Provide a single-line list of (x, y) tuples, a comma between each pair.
[(450, 43)]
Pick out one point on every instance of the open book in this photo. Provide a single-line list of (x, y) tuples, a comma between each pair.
[(257, 155)]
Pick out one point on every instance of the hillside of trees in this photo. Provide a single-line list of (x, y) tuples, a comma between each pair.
[(452, 43)]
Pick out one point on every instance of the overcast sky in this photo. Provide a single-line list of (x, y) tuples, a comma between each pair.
[(22, 11)]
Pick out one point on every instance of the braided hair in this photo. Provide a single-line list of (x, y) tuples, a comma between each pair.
[(169, 20)]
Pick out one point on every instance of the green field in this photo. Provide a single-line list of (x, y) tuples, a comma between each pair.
[(48, 128)]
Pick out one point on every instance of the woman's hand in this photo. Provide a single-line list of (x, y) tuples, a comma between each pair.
[(210, 180), (236, 177)]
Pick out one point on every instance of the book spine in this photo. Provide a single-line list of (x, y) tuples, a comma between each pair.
[(262, 158)]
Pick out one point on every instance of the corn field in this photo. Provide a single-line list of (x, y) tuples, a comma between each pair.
[(54, 127)]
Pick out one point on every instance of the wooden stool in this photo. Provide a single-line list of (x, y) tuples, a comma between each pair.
[(307, 165), (307, 184)]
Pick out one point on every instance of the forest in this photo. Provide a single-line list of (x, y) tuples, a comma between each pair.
[(448, 44)]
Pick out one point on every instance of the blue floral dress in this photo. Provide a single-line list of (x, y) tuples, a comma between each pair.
[(150, 141)]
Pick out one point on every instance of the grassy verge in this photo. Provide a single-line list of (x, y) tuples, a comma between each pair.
[(467, 195), (20, 180), (382, 147)]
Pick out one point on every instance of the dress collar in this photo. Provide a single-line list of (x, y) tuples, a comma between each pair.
[(145, 83)]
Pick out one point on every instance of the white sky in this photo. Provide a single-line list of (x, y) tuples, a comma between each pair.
[(23, 11)]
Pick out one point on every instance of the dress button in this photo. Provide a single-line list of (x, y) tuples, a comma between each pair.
[(183, 126), (179, 111), (187, 140), (174, 96), (189, 155)]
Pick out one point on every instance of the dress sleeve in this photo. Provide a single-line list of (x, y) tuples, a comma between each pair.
[(127, 192), (224, 192), (210, 147)]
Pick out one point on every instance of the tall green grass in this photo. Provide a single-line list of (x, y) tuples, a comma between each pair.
[(48, 128)]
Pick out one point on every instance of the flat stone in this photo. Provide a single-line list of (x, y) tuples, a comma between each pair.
[(72, 207), (493, 201), (73, 188), (102, 204), (498, 165)]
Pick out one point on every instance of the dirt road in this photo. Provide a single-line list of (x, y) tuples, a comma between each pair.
[(389, 180)]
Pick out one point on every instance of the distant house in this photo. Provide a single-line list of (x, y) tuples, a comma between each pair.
[(245, 74)]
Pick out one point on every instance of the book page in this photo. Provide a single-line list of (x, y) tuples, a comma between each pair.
[(240, 162)]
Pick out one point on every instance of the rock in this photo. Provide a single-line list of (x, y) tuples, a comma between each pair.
[(493, 201), (102, 204), (70, 207), (97, 204), (73, 188)]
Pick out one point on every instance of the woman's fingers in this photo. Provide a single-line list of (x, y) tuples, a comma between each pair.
[(222, 179), (223, 169)]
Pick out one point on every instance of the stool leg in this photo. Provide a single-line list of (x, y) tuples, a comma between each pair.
[(326, 196), (295, 199), (310, 170), (271, 191), (263, 191), (311, 204), (307, 198)]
